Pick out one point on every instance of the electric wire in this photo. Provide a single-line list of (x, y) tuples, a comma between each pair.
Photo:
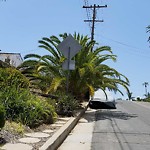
[(88, 13), (135, 50)]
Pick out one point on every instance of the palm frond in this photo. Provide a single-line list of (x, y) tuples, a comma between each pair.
[(35, 56), (56, 82), (91, 89)]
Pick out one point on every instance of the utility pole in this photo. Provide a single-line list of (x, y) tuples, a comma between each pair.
[(94, 17)]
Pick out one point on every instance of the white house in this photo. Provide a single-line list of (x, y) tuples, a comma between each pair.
[(13, 59)]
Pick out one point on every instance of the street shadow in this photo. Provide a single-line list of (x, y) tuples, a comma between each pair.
[(102, 115), (89, 115), (111, 116)]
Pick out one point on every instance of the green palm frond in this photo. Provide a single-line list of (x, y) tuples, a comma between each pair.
[(55, 40), (91, 89), (36, 56), (47, 46), (102, 49), (65, 35), (28, 63), (56, 82), (89, 66), (82, 72)]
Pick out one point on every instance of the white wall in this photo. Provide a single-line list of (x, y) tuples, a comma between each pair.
[(15, 58)]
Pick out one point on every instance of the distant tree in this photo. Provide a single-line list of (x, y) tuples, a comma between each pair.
[(129, 94), (148, 30), (148, 95), (145, 84)]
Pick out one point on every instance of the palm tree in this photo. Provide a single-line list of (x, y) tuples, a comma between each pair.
[(45, 72), (129, 94), (90, 74), (145, 84), (148, 30)]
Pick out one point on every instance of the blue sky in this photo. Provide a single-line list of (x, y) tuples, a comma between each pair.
[(23, 23)]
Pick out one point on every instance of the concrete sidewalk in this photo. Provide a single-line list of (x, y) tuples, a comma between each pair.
[(53, 142), (81, 136)]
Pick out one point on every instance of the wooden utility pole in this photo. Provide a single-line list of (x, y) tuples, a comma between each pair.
[(94, 17)]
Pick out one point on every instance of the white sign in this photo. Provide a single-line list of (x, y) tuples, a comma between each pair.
[(69, 43), (69, 47), (71, 65)]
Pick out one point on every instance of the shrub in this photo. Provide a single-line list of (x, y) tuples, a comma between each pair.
[(14, 128), (22, 106), (37, 112), (147, 99), (14, 101), (2, 116), (138, 99), (12, 77), (66, 105)]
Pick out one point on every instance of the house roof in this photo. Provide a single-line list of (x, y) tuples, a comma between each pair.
[(12, 54)]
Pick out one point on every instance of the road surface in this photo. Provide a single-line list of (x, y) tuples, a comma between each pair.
[(125, 128)]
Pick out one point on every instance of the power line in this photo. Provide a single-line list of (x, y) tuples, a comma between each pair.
[(121, 43), (137, 51), (88, 13)]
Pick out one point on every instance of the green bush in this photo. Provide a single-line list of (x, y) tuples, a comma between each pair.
[(66, 105), (2, 116), (14, 101), (147, 99), (22, 106), (37, 112), (12, 77), (15, 128), (139, 99)]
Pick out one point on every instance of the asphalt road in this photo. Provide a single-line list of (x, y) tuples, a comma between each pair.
[(126, 128)]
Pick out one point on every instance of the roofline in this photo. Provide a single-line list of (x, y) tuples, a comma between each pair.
[(13, 53), (9, 53)]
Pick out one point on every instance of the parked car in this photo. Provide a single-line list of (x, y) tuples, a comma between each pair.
[(101, 104)]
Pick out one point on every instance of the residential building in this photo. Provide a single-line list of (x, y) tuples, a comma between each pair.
[(13, 59)]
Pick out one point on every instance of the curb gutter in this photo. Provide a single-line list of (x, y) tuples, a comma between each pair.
[(57, 139)]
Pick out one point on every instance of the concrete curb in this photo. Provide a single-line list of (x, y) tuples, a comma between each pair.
[(57, 139)]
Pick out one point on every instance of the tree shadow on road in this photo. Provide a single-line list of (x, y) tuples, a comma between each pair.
[(101, 114), (89, 115), (108, 114)]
